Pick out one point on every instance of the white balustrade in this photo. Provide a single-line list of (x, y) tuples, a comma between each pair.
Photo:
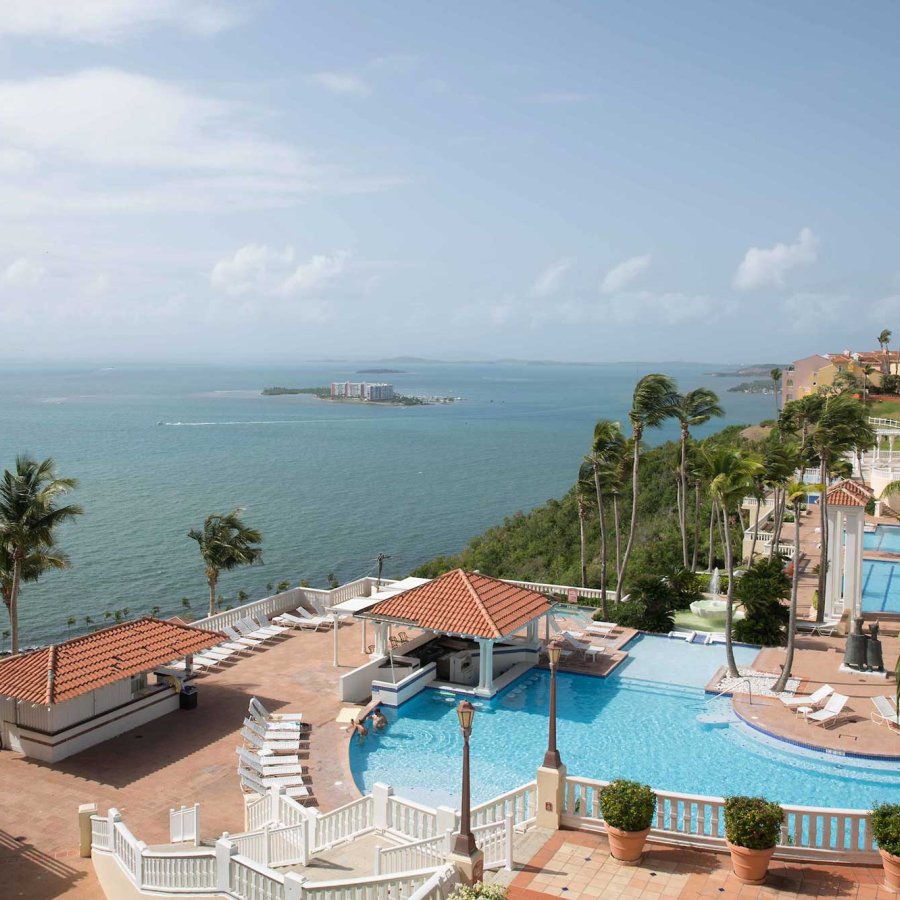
[(495, 840), (343, 823), (250, 881), (252, 845), (439, 886), (418, 855), (290, 812), (126, 847), (184, 824), (839, 835), (519, 803), (411, 819), (378, 887), (100, 833), (188, 872), (259, 812), (562, 589)]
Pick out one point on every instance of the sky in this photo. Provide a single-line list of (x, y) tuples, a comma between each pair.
[(248, 180)]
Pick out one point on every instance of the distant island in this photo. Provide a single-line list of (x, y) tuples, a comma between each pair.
[(754, 371), (324, 393), (752, 387), (381, 372)]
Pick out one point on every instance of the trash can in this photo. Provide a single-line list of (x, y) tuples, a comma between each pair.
[(187, 699)]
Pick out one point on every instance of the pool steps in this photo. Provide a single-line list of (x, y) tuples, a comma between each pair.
[(699, 637)]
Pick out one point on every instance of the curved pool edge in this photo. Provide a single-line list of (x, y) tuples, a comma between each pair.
[(824, 751)]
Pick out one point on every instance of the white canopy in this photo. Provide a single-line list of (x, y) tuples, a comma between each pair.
[(358, 604)]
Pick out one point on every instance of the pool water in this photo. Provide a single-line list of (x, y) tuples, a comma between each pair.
[(885, 538), (881, 586), (615, 727)]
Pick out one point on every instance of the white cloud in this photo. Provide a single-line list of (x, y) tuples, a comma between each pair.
[(806, 312), (618, 277), (762, 267), (560, 98), (261, 270), (22, 273), (550, 280), (109, 20), (182, 150), (668, 308), (342, 83), (97, 286)]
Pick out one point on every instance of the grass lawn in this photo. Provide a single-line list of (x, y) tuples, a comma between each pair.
[(886, 409), (684, 618)]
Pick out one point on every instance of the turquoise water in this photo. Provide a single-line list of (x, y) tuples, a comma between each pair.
[(617, 727), (885, 538), (329, 485), (881, 586)]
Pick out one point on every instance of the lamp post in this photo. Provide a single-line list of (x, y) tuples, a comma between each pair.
[(465, 840), (551, 757)]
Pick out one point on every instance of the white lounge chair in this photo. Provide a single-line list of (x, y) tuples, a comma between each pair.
[(284, 731), (259, 712), (598, 630), (886, 712), (825, 629), (815, 699), (265, 625), (264, 745), (830, 712), (270, 767), (252, 782), (585, 648), (238, 638), (300, 618), (251, 630)]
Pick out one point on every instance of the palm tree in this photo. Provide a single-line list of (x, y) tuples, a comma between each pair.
[(775, 374), (732, 472), (225, 544), (867, 371), (780, 462), (654, 401), (693, 408), (29, 518), (35, 564), (584, 487), (883, 340), (796, 493)]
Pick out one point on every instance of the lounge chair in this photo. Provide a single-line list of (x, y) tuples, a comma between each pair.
[(585, 648), (253, 782), (824, 629), (829, 713), (312, 623), (815, 699), (281, 734), (886, 712), (601, 629), (266, 625), (270, 766), (252, 630), (258, 711), (238, 638), (260, 743)]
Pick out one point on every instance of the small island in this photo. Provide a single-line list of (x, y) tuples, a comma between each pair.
[(325, 393), (752, 387), (381, 372)]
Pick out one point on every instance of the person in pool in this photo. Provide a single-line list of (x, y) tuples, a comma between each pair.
[(379, 721), (360, 729)]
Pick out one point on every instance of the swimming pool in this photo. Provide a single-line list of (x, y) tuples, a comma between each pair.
[(885, 538), (615, 727), (881, 586)]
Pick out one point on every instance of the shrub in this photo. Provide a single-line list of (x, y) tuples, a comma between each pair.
[(760, 590), (753, 822), (480, 891), (627, 805), (886, 827), (649, 609)]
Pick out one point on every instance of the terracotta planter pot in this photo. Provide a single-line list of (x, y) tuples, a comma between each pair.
[(750, 866), (891, 871), (626, 846)]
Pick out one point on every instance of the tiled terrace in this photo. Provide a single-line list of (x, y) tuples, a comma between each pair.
[(574, 864)]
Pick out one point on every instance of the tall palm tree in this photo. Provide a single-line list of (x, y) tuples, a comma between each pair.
[(584, 488), (780, 461), (840, 429), (225, 543), (868, 370), (884, 340), (653, 402), (796, 493), (35, 564), (732, 473), (693, 408), (775, 374), (30, 515)]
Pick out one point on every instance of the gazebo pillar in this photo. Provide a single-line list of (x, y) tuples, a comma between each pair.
[(381, 638), (853, 560), (835, 575), (531, 632), (485, 667)]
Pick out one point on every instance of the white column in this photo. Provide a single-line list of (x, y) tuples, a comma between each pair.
[(853, 561), (381, 638), (833, 575), (531, 633), (485, 667)]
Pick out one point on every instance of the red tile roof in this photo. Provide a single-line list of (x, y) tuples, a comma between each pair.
[(848, 493), (465, 603), (63, 671)]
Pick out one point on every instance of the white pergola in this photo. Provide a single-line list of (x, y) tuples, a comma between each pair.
[(845, 517)]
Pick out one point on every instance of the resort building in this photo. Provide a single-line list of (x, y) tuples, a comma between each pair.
[(812, 373), (63, 698), (361, 390)]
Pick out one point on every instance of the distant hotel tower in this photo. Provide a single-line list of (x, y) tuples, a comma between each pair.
[(361, 390)]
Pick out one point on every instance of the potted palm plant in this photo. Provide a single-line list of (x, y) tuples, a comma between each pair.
[(886, 829), (627, 808), (752, 829)]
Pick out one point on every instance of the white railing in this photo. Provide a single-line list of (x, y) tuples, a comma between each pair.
[(259, 812), (184, 824), (419, 855), (563, 589), (126, 847), (840, 835), (520, 803), (886, 423), (100, 833), (250, 881), (362, 587), (290, 812), (189, 872), (496, 842), (268, 606), (343, 823), (439, 886), (377, 887), (411, 819), (275, 845)]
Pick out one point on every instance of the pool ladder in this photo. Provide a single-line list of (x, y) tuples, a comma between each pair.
[(729, 690)]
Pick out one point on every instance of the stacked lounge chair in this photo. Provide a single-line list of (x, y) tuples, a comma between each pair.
[(302, 618)]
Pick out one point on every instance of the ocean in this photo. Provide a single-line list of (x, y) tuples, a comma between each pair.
[(330, 485)]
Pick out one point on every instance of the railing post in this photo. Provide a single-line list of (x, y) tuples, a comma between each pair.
[(196, 824), (381, 794), (446, 820), (225, 849), (376, 864), (293, 886), (86, 828), (275, 795), (448, 840), (139, 863), (508, 841)]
